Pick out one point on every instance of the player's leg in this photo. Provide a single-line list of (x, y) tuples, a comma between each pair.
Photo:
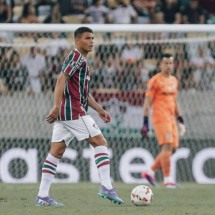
[(149, 174), (166, 153), (48, 173), (85, 128), (103, 165), (101, 159), (165, 138), (60, 139), (92, 134)]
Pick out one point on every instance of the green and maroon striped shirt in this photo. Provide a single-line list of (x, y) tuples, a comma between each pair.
[(75, 97)]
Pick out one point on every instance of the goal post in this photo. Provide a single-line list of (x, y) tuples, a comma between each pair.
[(124, 58), (108, 27)]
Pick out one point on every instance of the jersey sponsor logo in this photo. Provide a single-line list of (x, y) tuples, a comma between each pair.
[(168, 135), (72, 64)]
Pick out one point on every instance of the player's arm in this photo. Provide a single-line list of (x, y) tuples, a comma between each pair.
[(182, 128), (104, 115), (58, 94), (146, 108), (177, 109)]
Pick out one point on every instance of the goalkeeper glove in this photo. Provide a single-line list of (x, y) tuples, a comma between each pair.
[(145, 128), (181, 126)]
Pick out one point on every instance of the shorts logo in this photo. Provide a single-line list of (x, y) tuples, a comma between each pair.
[(95, 125), (168, 136)]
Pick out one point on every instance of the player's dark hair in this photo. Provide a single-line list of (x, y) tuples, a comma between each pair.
[(78, 32), (166, 55)]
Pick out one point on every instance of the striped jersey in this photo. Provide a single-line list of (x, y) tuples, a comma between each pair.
[(75, 97)]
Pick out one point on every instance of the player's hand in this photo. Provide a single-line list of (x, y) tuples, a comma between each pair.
[(145, 128), (181, 126), (53, 114), (182, 129), (104, 115)]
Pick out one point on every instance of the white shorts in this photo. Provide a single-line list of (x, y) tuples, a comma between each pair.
[(82, 128)]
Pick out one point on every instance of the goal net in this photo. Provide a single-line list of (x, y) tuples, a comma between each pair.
[(123, 60)]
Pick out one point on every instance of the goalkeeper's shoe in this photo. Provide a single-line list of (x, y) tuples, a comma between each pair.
[(110, 195), (47, 201), (149, 178), (170, 185)]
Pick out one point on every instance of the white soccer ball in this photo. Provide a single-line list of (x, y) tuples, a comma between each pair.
[(141, 195)]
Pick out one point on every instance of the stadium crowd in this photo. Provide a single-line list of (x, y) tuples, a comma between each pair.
[(108, 11), (116, 64)]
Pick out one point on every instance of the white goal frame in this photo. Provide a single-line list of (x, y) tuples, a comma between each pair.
[(107, 27)]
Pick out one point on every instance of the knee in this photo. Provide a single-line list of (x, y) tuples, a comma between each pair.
[(101, 141), (167, 147), (57, 152)]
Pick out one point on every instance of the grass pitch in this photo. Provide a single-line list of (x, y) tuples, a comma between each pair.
[(82, 199)]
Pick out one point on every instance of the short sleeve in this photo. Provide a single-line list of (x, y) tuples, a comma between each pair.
[(151, 88), (71, 64)]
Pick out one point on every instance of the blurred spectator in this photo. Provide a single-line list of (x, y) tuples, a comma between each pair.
[(109, 74), (6, 11), (96, 13), (186, 80), (28, 14), (55, 15), (16, 74), (111, 3), (53, 44), (49, 77), (143, 16), (203, 67), (124, 13), (171, 11), (43, 7), (184, 2), (35, 65), (211, 19), (73, 7), (132, 53), (143, 75), (128, 77), (193, 13), (157, 17), (151, 5), (20, 2), (208, 5), (3, 70)]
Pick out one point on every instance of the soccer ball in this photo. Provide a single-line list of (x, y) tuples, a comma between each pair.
[(141, 195)]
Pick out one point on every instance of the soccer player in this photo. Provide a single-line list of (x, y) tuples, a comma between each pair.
[(70, 118), (161, 96)]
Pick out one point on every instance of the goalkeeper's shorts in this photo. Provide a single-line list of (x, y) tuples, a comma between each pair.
[(167, 133)]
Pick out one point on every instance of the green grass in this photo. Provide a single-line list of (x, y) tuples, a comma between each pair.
[(82, 198)]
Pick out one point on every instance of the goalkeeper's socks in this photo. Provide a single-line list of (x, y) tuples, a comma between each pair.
[(151, 172), (103, 164), (165, 162), (168, 180), (48, 173), (156, 165)]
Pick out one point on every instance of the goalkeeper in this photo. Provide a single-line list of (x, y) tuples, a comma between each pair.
[(161, 96)]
